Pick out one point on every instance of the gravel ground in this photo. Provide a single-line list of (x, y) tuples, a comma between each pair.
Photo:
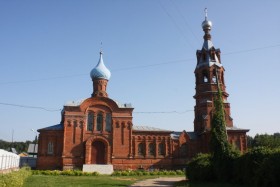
[(162, 181)]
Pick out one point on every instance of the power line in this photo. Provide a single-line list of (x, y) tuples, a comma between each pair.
[(32, 107), (151, 65), (165, 112), (175, 23), (43, 79), (253, 49), (184, 19), (139, 67), (54, 110)]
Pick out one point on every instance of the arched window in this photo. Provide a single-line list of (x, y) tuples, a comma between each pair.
[(204, 56), (99, 124), (205, 76), (141, 149), (183, 150), (161, 149), (151, 149), (214, 78), (212, 55), (108, 122), (90, 119), (50, 148)]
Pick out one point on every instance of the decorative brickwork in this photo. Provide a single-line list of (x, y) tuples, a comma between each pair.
[(99, 130)]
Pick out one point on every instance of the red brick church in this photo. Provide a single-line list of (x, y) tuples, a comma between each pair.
[(99, 130)]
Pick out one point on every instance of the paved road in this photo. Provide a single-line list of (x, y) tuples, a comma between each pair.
[(162, 181)]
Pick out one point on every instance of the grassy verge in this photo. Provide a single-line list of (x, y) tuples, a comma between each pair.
[(81, 181), (15, 178)]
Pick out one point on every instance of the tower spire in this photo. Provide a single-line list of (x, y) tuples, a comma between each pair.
[(205, 11), (206, 26)]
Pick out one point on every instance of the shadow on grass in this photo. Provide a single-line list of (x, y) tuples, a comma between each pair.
[(186, 183)]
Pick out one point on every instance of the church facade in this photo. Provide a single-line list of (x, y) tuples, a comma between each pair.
[(99, 130)]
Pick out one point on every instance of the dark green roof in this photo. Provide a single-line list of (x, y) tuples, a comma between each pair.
[(53, 127)]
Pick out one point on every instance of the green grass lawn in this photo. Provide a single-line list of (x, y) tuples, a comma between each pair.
[(78, 181), (100, 181)]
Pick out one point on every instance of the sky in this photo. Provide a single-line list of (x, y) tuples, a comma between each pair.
[(48, 48)]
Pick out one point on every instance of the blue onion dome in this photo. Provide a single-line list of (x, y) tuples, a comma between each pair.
[(100, 71)]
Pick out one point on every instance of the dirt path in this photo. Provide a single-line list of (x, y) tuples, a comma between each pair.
[(162, 181)]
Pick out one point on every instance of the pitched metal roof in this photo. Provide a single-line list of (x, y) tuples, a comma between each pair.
[(147, 128), (74, 103), (32, 149), (175, 135), (236, 129)]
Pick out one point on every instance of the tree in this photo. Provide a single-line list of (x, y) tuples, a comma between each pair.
[(250, 141), (222, 153), (265, 140), (219, 144), (19, 146)]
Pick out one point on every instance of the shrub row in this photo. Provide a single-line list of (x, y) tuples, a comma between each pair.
[(142, 172), (65, 172), (116, 173), (259, 167), (15, 178)]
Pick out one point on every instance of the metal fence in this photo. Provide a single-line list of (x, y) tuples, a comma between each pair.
[(8, 160), (28, 161)]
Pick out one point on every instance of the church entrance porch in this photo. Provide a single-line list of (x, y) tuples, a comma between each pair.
[(98, 153)]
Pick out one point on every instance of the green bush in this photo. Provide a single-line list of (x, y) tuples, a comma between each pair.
[(247, 166), (15, 178), (146, 173), (65, 172), (180, 172), (200, 168), (139, 172), (268, 175), (224, 166), (95, 173)]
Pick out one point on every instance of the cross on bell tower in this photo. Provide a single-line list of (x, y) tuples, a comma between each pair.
[(209, 74)]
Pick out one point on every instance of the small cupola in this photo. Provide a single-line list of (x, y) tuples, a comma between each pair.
[(208, 55)]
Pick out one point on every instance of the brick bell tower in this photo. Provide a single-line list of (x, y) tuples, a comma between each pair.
[(209, 72)]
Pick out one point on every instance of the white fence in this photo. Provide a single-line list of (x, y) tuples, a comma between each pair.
[(8, 160)]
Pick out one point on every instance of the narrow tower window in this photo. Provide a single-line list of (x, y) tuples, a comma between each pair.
[(214, 79), (90, 121), (99, 124), (108, 122), (205, 76)]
